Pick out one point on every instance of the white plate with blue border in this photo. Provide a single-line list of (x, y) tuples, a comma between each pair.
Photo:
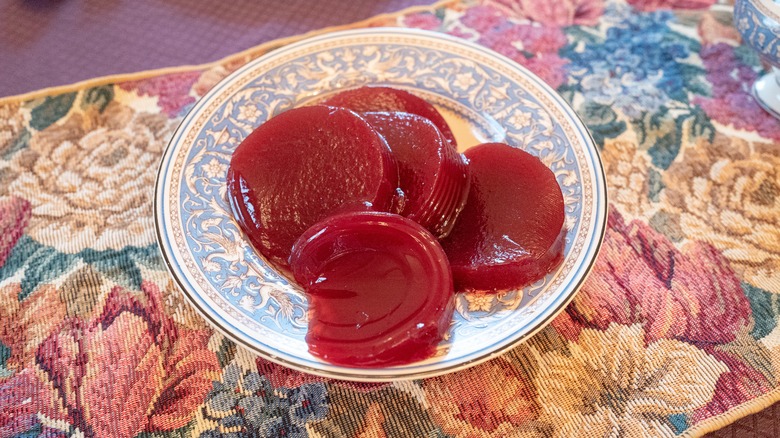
[(483, 95)]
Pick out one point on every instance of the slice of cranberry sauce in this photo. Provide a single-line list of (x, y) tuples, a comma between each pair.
[(433, 176), (379, 287), (303, 165), (510, 233), (365, 99)]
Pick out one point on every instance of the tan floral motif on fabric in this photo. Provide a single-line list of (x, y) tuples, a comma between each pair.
[(612, 384), (627, 170), (92, 177), (728, 193), (11, 125), (459, 404)]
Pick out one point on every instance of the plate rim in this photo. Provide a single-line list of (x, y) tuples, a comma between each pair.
[(354, 374)]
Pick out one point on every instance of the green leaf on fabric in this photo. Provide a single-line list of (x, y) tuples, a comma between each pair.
[(44, 265), (24, 248), (747, 56), (98, 97), (668, 224), (119, 266), (148, 256), (568, 91), (602, 122), (657, 119), (602, 132), (440, 13), (699, 86), (673, 37), (665, 150), (345, 406), (182, 432), (765, 307), (5, 353), (52, 109), (701, 124), (226, 353), (598, 114), (679, 422), (41, 263), (691, 73), (397, 408), (580, 34), (35, 431), (640, 129), (678, 94), (19, 143), (655, 185)]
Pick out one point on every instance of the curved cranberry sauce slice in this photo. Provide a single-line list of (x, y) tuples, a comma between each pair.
[(433, 176), (379, 287), (510, 233), (365, 99), (302, 165)]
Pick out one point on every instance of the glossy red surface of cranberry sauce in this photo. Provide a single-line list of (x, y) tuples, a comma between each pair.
[(303, 165), (379, 286), (510, 233), (433, 175), (371, 98)]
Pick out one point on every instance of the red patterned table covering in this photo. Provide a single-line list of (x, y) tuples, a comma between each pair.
[(675, 332)]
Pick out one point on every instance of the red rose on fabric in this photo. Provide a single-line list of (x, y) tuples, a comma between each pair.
[(172, 90), (14, 214), (653, 5), (641, 277), (553, 13), (129, 369)]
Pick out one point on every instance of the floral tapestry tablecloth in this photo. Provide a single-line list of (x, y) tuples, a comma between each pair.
[(675, 332)]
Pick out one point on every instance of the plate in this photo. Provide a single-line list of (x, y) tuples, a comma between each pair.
[(483, 95)]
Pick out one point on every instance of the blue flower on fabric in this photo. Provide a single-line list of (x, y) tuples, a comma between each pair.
[(637, 67), (308, 402), (627, 93), (245, 404)]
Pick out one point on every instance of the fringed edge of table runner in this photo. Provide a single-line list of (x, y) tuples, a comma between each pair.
[(736, 413), (705, 426)]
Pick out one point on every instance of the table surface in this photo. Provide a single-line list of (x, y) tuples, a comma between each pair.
[(46, 43), (51, 43)]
